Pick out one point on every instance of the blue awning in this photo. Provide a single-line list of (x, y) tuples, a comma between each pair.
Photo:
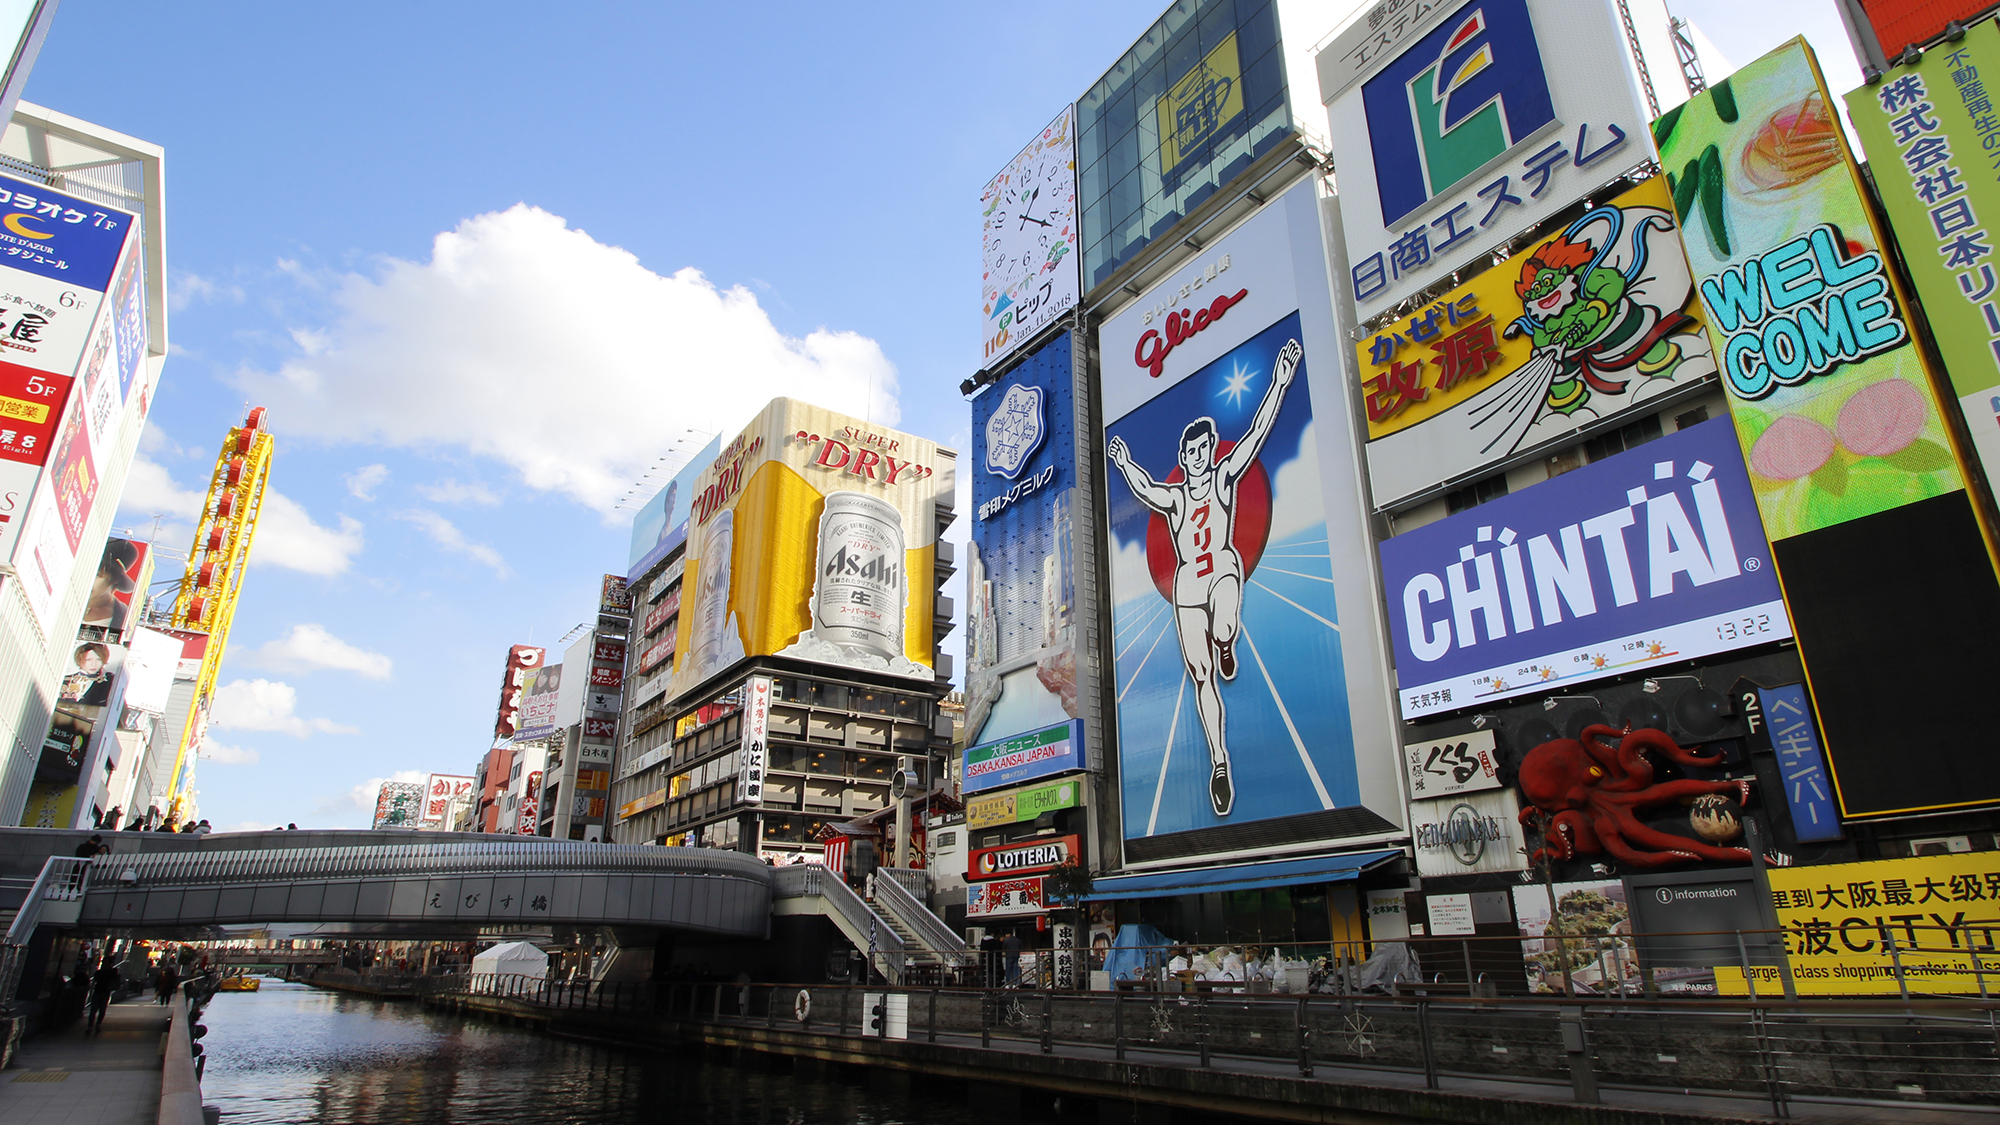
[(1240, 877)]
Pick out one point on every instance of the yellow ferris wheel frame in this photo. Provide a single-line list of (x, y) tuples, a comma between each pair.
[(206, 600)]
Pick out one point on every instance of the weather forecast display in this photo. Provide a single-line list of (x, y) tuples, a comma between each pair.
[(1245, 664)]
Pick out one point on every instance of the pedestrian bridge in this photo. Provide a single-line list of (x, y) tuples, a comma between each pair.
[(386, 882), (448, 885)]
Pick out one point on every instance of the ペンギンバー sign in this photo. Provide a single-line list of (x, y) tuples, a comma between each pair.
[(1025, 857)]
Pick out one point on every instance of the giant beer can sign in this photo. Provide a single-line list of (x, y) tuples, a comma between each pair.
[(802, 537), (858, 599)]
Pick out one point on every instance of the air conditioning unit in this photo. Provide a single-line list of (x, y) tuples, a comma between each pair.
[(1941, 845)]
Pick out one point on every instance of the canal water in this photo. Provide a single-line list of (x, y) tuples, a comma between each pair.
[(289, 1054)]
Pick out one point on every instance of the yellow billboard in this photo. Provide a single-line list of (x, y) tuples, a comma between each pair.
[(1588, 323), (813, 536), (1848, 924), (1205, 99)]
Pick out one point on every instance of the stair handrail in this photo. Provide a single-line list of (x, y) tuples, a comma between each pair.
[(813, 879), (929, 929), (63, 879)]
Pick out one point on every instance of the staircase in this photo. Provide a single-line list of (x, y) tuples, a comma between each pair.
[(931, 948)]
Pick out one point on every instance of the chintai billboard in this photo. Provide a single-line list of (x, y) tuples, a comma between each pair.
[(1648, 558)]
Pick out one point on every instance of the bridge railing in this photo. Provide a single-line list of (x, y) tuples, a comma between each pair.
[(866, 929), (930, 929), (388, 860), (1937, 1053), (63, 879)]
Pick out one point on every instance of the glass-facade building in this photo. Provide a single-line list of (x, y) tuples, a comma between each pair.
[(1198, 98)]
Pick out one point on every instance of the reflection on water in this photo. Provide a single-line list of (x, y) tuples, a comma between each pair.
[(291, 1054)]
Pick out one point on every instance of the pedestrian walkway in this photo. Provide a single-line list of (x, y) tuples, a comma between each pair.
[(69, 1078)]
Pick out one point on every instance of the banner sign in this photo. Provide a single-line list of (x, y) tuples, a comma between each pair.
[(1003, 897), (1463, 763), (1244, 609), (1023, 804), (1653, 556), (1467, 133), (513, 687), (1589, 324), (1030, 268), (1840, 918), (756, 740), (1023, 857), (1830, 399), (1936, 117), (1802, 764), (1024, 757)]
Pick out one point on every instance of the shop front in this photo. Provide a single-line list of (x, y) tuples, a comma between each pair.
[(1277, 922)]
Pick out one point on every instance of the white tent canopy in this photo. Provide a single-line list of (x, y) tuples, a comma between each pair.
[(517, 957)]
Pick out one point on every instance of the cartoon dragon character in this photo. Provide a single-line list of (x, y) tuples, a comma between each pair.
[(1595, 316)]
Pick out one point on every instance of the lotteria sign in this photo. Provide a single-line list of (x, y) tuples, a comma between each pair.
[(1027, 857), (1654, 556), (1024, 757)]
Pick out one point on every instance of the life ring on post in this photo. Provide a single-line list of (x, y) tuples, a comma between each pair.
[(802, 1006)]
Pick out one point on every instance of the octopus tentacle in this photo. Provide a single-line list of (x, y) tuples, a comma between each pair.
[(1640, 834), (1658, 742)]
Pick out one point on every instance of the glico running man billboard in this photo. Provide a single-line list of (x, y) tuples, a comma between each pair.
[(813, 536), (1652, 557), (1020, 578), (1250, 675)]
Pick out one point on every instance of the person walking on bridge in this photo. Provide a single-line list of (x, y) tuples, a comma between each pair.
[(169, 980), (103, 983)]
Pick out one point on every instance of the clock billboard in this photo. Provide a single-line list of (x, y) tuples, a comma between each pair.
[(1029, 265)]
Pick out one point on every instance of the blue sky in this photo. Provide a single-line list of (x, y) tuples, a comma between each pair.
[(485, 262)]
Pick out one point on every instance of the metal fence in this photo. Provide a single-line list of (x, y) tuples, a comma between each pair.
[(1922, 1051), (63, 879)]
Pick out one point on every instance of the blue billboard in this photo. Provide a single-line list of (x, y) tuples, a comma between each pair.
[(46, 232), (1022, 757), (1654, 556), (661, 525), (1020, 646), (1231, 705)]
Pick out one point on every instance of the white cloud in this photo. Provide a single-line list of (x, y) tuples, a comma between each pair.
[(1295, 491), (221, 755), (1130, 577), (288, 537), (446, 534), (362, 482), (310, 648), (188, 288), (463, 350), (449, 491), (266, 705), (150, 491), (286, 533)]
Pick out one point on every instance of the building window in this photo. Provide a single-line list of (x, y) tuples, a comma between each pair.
[(1610, 443), (1476, 493), (1692, 418)]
